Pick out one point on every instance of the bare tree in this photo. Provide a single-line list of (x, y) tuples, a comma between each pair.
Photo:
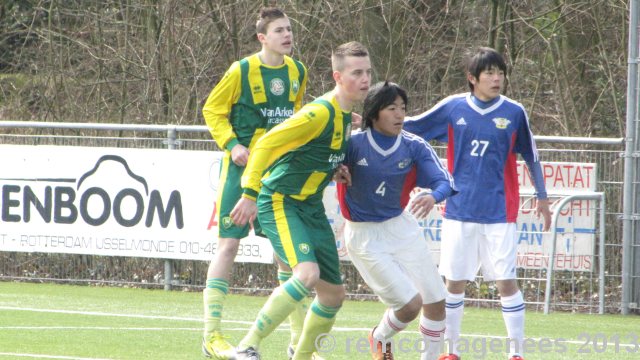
[(155, 61)]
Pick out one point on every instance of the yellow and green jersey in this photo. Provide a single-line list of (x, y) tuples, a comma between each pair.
[(252, 98), (300, 154)]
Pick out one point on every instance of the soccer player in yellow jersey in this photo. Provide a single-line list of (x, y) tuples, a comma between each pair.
[(256, 93), (302, 155)]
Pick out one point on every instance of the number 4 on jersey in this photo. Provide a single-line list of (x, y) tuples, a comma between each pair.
[(381, 189)]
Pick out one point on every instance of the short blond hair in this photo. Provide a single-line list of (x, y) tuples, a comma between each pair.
[(352, 48)]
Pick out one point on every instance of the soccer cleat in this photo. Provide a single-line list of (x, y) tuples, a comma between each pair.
[(290, 351), (217, 347), (247, 354), (449, 357), (316, 356), (376, 349), (516, 357)]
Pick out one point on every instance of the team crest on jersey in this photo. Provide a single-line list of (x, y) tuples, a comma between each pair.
[(295, 86), (404, 163), (276, 86), (226, 222), (501, 123), (304, 248)]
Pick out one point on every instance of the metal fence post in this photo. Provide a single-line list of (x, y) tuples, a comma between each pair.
[(631, 144), (168, 263), (601, 253)]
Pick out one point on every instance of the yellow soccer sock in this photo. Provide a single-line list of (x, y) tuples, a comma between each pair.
[(281, 303), (296, 318), (319, 320), (213, 298)]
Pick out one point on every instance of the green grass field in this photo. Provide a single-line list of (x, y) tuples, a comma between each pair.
[(48, 321)]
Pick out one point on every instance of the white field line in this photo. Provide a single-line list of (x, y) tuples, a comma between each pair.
[(101, 328), (283, 327), (93, 313), (42, 356)]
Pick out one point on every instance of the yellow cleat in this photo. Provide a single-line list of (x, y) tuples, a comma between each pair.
[(217, 347)]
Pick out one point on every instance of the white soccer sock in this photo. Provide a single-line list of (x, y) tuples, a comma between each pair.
[(432, 333), (455, 310), (513, 314), (389, 325)]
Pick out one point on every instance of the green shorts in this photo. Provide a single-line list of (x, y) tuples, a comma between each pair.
[(299, 231), (229, 192)]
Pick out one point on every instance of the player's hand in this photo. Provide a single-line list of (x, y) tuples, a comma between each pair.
[(244, 212), (240, 155), (342, 175), (542, 208), (356, 121), (422, 205)]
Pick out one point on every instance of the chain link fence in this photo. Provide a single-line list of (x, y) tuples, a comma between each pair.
[(571, 290)]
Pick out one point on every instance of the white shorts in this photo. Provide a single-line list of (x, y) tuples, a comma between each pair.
[(393, 259), (467, 247)]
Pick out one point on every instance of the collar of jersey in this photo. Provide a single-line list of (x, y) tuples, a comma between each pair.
[(377, 148), (482, 110)]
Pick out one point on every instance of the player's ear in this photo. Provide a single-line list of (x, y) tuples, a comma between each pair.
[(337, 77), (261, 37), (472, 79)]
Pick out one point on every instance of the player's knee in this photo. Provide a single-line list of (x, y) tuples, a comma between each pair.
[(227, 248), (435, 311), (308, 273), (410, 310), (332, 295), (310, 279), (507, 287), (341, 294), (456, 287)]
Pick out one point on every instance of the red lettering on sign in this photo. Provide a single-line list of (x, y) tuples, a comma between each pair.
[(212, 220)]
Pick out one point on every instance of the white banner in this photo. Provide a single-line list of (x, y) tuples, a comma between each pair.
[(111, 201), (161, 204)]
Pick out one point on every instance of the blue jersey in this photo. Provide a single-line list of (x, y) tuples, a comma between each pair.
[(483, 139), (383, 179)]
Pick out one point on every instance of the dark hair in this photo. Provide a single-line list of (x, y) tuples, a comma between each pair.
[(266, 17), (379, 97), (352, 48), (483, 59)]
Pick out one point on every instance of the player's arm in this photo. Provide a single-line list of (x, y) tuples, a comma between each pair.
[(291, 134), (542, 203), (431, 124), (430, 174), (287, 136), (217, 109), (526, 146)]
